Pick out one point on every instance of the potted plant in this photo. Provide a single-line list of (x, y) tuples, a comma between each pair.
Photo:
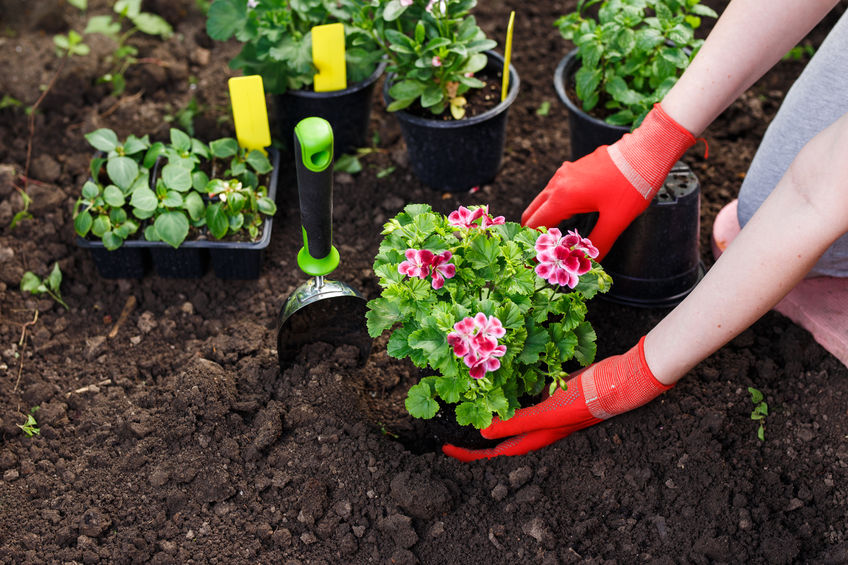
[(628, 55), (496, 310), (177, 204), (444, 86), (626, 59), (277, 45)]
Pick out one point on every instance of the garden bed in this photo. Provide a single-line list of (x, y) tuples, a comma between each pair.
[(170, 436)]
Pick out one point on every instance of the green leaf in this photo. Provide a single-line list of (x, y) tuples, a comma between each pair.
[(266, 206), (103, 25), (173, 199), (761, 433), (474, 414), (420, 402), (101, 225), (102, 139), (586, 346), (451, 388), (54, 279), (433, 343), (122, 171), (398, 346), (347, 164), (112, 240), (225, 17), (496, 401), (144, 199), (756, 395), (176, 177), (534, 345), (90, 190), (259, 162), (224, 148), (32, 284), (194, 205), (407, 89), (381, 315), (82, 223), (216, 220), (172, 228), (180, 140), (113, 196), (152, 24)]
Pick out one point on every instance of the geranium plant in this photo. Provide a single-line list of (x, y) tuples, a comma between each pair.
[(215, 186), (277, 38), (632, 52), (434, 48), (497, 310)]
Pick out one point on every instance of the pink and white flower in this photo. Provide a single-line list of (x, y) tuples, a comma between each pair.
[(441, 269), (475, 340), (417, 263), (436, 62), (562, 265), (462, 217), (486, 220), (406, 3)]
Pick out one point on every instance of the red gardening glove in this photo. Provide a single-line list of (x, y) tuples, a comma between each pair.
[(617, 181), (617, 384)]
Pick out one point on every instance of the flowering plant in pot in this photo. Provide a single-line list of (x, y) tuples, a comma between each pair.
[(495, 309), (277, 44), (216, 190), (630, 54), (440, 64)]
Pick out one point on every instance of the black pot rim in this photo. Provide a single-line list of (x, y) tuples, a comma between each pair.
[(355, 87), (514, 83), (563, 70)]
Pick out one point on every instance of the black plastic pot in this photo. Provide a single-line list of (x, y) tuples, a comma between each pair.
[(586, 132), (656, 261), (457, 155), (348, 112), (230, 260)]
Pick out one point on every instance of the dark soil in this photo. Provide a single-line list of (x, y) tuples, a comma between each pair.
[(178, 440)]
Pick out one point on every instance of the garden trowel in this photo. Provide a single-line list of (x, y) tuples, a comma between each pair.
[(319, 310)]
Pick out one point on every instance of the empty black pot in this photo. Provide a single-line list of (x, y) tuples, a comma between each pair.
[(348, 112), (457, 155), (656, 261)]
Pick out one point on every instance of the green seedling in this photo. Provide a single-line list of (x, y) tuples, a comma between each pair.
[(30, 426), (33, 284), (799, 53), (544, 109), (760, 411), (9, 101), (23, 214)]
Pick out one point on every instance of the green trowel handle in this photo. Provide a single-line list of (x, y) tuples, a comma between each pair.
[(313, 149)]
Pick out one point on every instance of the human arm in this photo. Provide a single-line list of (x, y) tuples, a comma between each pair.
[(619, 181), (805, 213)]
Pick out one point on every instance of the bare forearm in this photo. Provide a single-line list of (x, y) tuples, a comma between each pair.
[(804, 215), (747, 40)]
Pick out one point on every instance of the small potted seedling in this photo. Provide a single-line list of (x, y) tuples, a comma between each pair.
[(445, 86), (278, 44), (494, 310)]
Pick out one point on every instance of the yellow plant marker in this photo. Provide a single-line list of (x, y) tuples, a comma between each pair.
[(328, 56), (247, 95), (507, 56)]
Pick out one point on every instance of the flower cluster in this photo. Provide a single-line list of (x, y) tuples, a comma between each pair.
[(491, 325), (562, 259), (465, 218), (476, 342), (422, 263)]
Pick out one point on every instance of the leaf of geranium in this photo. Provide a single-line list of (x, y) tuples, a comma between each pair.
[(225, 17), (510, 315), (586, 346), (451, 388), (496, 401), (102, 139), (420, 402), (565, 341), (172, 228), (381, 315), (537, 337), (473, 413), (398, 345), (433, 343), (122, 171), (483, 255)]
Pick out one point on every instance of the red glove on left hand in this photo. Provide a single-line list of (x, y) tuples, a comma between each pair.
[(616, 384)]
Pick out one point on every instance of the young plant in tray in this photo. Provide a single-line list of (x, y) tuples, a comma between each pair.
[(497, 310), (183, 195), (434, 48), (632, 52)]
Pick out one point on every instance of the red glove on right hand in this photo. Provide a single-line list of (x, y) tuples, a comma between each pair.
[(618, 181)]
